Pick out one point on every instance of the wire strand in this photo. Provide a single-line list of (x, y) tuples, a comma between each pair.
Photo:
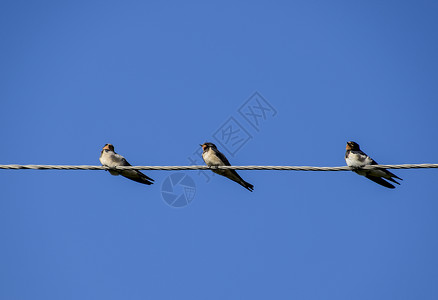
[(173, 168)]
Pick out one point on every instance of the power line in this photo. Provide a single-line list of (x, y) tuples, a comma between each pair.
[(173, 168)]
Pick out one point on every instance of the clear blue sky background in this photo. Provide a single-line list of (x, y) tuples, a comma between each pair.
[(156, 79)]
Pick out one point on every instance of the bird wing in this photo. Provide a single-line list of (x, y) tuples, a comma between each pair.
[(135, 175), (373, 162), (227, 163), (234, 175), (124, 162), (223, 158)]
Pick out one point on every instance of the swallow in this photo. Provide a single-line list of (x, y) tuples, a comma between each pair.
[(357, 159), (214, 157), (111, 159)]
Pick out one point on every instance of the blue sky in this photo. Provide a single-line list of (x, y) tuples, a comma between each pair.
[(156, 79)]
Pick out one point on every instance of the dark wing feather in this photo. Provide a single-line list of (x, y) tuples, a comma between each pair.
[(223, 158), (387, 172), (242, 182), (380, 181), (125, 162), (390, 179), (146, 177), (393, 175), (142, 179)]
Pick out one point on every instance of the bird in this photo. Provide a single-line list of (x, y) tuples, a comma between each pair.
[(111, 159), (356, 159), (213, 157)]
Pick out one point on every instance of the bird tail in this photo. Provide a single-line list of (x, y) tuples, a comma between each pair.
[(137, 176), (380, 181), (247, 185), (391, 175), (141, 180), (146, 179), (391, 179)]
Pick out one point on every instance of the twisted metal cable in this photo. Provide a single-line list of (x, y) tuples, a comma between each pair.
[(171, 168)]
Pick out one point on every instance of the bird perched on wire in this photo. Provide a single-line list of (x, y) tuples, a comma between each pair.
[(213, 157), (357, 159), (111, 159)]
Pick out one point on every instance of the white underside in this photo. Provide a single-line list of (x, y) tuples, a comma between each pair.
[(111, 159), (211, 159), (357, 161)]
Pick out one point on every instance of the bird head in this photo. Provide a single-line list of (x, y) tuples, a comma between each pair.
[(352, 146), (109, 147), (206, 146)]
